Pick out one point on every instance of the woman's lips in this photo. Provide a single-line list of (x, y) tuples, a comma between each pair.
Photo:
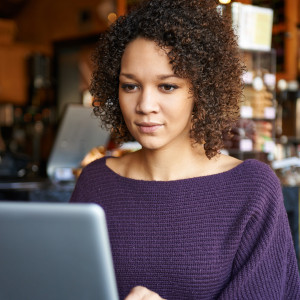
[(148, 127)]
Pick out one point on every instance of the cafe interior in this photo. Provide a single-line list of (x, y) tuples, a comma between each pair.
[(48, 133)]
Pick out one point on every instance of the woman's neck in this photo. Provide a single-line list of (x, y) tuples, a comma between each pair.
[(165, 165)]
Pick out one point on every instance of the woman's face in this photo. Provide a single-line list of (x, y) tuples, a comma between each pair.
[(155, 103)]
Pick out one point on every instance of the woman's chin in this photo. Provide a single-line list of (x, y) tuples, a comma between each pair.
[(151, 145)]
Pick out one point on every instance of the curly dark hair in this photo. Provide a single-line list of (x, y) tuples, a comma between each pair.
[(204, 50)]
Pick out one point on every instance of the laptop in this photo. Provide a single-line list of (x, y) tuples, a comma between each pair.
[(79, 131), (55, 251)]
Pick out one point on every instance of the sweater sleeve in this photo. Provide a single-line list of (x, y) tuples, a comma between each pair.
[(83, 188), (265, 265)]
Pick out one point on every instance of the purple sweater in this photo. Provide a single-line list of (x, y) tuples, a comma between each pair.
[(223, 236)]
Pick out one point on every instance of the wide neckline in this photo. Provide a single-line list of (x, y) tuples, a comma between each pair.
[(198, 178)]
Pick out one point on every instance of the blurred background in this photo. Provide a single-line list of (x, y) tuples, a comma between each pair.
[(45, 67), (48, 134)]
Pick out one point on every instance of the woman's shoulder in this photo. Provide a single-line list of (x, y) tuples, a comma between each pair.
[(249, 168), (94, 167), (263, 182), (88, 182), (259, 169), (258, 172), (96, 163), (107, 166), (252, 177), (121, 165)]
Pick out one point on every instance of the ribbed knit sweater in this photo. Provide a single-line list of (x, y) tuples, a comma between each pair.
[(222, 236)]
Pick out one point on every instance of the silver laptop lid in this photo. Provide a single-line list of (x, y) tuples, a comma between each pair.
[(78, 133), (55, 251)]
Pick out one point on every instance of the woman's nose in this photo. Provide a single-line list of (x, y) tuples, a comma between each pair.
[(147, 102)]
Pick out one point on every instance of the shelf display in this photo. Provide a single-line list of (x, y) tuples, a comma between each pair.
[(278, 7), (255, 131), (253, 26)]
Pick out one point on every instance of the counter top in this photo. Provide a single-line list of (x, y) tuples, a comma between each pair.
[(34, 184)]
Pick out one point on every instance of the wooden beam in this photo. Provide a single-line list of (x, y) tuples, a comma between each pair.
[(121, 7), (291, 42)]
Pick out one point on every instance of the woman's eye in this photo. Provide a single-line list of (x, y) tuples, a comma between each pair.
[(168, 87), (129, 87)]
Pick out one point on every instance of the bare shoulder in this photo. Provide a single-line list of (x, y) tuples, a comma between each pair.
[(120, 165), (226, 162), (218, 164)]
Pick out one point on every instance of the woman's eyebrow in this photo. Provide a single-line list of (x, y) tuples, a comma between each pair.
[(161, 77), (167, 76), (130, 76)]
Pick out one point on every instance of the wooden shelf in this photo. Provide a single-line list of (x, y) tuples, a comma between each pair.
[(13, 67), (278, 28)]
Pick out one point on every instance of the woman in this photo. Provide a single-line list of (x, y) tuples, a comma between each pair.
[(185, 221)]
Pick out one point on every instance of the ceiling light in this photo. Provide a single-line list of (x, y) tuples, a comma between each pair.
[(224, 1)]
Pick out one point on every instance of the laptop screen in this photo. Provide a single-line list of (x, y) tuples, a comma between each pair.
[(55, 251)]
